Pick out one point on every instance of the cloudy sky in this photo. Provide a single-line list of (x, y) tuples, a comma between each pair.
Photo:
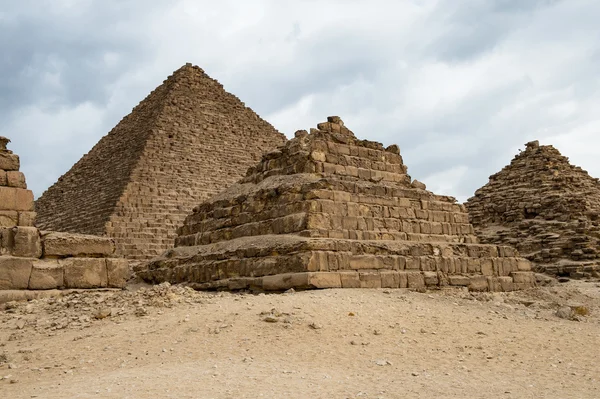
[(460, 85)]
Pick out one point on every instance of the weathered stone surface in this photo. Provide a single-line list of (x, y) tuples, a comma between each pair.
[(57, 244), (84, 272), (21, 245), (9, 218), (27, 242), (118, 272), (188, 140), (27, 219), (545, 207), (16, 179), (9, 161), (328, 210), (46, 275), (15, 272)]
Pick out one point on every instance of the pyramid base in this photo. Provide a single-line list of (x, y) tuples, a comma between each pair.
[(281, 262)]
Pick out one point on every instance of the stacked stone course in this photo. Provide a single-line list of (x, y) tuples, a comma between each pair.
[(545, 207), (34, 260), (328, 210), (188, 140)]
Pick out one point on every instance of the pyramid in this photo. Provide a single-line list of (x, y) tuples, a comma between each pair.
[(189, 139), (328, 210), (545, 207)]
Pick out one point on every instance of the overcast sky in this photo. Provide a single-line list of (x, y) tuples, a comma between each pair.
[(459, 85)]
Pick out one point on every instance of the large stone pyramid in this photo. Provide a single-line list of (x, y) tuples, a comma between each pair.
[(329, 210), (188, 140), (545, 207)]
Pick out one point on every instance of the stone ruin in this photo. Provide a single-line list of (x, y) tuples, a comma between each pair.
[(545, 207), (188, 140), (37, 260), (327, 211)]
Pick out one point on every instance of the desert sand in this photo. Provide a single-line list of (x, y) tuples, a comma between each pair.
[(173, 342)]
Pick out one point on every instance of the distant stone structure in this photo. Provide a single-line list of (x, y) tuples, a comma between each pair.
[(34, 260), (188, 140), (326, 211), (545, 207)]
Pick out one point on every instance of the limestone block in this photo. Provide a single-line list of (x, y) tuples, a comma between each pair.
[(9, 218), (431, 278), (478, 284), (84, 272), (390, 279), (487, 267), (415, 280), (457, 280), (7, 241), (524, 265), (16, 179), (27, 242), (370, 279), (3, 179), (46, 275), (23, 200), (324, 280), (9, 162), (15, 272), (66, 244), (280, 282), (8, 198), (118, 272), (26, 218), (506, 283), (350, 280), (523, 278)]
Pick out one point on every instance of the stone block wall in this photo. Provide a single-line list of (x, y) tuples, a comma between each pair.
[(34, 260)]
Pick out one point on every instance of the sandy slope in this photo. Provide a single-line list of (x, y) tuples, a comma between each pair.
[(171, 342)]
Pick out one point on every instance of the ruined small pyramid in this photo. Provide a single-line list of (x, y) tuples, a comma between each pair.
[(32, 260), (188, 140), (545, 207), (328, 210)]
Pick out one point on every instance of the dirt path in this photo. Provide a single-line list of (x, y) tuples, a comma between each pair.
[(170, 342)]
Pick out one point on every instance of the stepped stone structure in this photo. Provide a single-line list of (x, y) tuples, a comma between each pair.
[(34, 260), (188, 140), (328, 210), (545, 207)]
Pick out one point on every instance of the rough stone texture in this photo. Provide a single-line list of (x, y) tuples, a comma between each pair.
[(84, 273), (61, 245), (15, 272), (328, 210), (22, 245), (117, 272), (46, 275), (188, 140), (545, 207)]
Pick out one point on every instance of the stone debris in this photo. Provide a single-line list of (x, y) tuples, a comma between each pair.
[(328, 210), (31, 259), (80, 310), (548, 209), (188, 140)]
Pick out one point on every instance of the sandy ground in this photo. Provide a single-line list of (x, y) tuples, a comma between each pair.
[(172, 342)]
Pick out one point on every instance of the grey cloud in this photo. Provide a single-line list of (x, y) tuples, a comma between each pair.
[(460, 91)]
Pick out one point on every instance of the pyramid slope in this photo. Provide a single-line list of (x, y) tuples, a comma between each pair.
[(188, 140), (546, 207), (329, 210)]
